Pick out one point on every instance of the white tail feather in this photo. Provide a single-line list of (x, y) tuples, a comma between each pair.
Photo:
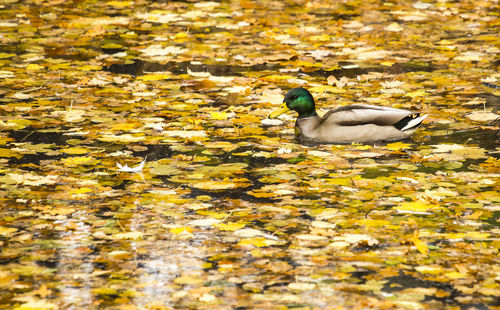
[(414, 122)]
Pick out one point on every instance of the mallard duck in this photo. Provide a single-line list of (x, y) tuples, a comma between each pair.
[(346, 124)]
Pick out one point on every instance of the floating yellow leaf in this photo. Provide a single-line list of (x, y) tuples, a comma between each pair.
[(477, 235), (7, 230), (119, 255), (105, 291), (28, 148), (308, 64), (111, 46), (185, 133), (213, 214), (483, 116), (82, 190), (416, 94), (33, 67), (415, 207), (219, 115), (277, 77), (181, 230), (6, 55), (455, 275), (323, 37), (204, 222), (309, 237), (73, 116), (248, 233), (227, 147), (324, 213), (374, 223), (445, 42), (32, 179), (216, 185), (62, 211), (323, 225), (471, 56), (187, 279), (111, 90), (131, 235), (155, 76), (493, 196), (421, 245), (345, 181), (180, 35), (257, 241), (6, 277), (358, 238), (231, 226), (406, 166), (394, 27), (76, 150), (17, 123), (79, 160), (36, 305), (387, 63), (89, 68), (301, 286), (164, 169), (207, 298), (4, 140), (121, 138), (471, 152), (60, 66), (362, 147), (125, 126), (430, 269), (397, 146), (9, 153), (119, 4)]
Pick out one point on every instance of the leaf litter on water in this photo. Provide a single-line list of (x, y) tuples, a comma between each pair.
[(234, 210)]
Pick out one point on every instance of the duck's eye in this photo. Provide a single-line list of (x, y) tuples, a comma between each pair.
[(294, 97)]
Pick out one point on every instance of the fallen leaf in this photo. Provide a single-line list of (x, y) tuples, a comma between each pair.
[(394, 27), (421, 245), (136, 169), (204, 222), (482, 116)]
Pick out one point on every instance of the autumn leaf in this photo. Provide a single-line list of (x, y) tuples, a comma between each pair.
[(181, 230), (187, 279), (398, 146), (231, 226), (419, 244), (257, 242), (119, 255), (36, 304), (416, 207), (7, 230), (204, 222)]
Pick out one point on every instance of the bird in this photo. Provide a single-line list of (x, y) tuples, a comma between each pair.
[(358, 123)]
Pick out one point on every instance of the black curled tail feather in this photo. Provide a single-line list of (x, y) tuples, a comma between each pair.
[(406, 120)]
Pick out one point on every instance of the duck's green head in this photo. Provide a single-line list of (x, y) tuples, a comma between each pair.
[(298, 99)]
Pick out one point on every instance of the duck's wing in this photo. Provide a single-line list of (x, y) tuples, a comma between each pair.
[(361, 114)]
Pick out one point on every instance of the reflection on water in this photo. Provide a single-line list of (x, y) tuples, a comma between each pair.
[(75, 272), (138, 67)]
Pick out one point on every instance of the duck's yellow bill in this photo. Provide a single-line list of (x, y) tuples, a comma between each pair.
[(282, 109)]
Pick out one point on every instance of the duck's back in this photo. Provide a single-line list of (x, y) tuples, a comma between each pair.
[(360, 114), (354, 123)]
